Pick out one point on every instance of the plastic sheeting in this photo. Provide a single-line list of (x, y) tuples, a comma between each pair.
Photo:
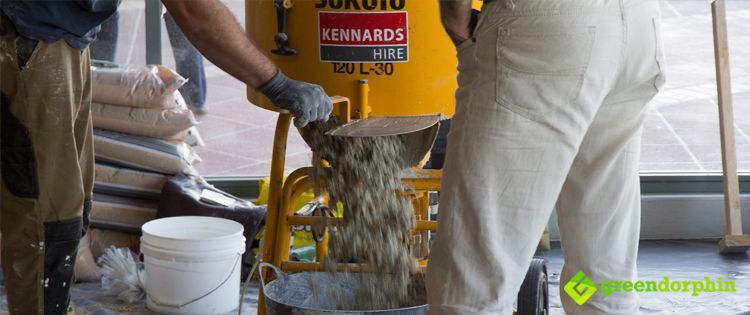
[(181, 196), (684, 259), (678, 260), (90, 299)]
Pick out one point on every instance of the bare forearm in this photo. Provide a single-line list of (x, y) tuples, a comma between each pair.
[(214, 31), (456, 16)]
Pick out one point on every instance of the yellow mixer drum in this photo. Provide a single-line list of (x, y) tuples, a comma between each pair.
[(399, 46)]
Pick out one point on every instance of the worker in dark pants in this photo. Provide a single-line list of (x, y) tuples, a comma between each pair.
[(46, 149)]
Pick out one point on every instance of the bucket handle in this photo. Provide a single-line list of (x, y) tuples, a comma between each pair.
[(181, 305), (279, 274)]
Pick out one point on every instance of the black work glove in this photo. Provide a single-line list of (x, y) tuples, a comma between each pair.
[(307, 102)]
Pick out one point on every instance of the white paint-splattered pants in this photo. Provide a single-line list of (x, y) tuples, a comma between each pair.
[(552, 96)]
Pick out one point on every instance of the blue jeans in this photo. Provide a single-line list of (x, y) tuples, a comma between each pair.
[(189, 64), (105, 46)]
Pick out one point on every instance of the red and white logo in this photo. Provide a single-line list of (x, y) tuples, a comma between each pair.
[(363, 37)]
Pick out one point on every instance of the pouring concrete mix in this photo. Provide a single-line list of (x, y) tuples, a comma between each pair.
[(364, 177)]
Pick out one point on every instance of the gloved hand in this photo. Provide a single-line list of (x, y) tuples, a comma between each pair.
[(307, 102)]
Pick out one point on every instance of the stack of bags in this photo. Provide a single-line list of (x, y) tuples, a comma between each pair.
[(143, 135)]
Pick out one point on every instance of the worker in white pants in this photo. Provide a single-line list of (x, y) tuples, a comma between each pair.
[(549, 112)]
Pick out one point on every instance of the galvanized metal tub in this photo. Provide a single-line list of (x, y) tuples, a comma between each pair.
[(294, 294)]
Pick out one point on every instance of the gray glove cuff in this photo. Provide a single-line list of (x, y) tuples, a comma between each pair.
[(274, 87)]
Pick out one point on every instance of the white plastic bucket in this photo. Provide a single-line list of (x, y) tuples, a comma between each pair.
[(192, 265)]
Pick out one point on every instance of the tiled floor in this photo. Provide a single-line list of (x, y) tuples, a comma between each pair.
[(681, 131)]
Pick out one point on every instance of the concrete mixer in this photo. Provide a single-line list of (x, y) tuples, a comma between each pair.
[(394, 69), (397, 45)]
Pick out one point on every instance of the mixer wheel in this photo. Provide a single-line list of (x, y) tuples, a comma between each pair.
[(533, 299)]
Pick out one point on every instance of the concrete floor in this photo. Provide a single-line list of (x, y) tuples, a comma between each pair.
[(681, 132)]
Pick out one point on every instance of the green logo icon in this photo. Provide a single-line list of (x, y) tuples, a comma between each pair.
[(580, 288)]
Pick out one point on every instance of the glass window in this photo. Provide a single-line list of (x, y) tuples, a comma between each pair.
[(238, 135), (681, 132)]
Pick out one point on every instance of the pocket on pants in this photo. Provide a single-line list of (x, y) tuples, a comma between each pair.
[(26, 48), (659, 57), (538, 73), (465, 55), (466, 66)]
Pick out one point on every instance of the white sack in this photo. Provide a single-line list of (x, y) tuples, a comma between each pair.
[(149, 86), (150, 154)]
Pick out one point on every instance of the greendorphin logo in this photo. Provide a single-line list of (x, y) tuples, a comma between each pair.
[(581, 288)]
